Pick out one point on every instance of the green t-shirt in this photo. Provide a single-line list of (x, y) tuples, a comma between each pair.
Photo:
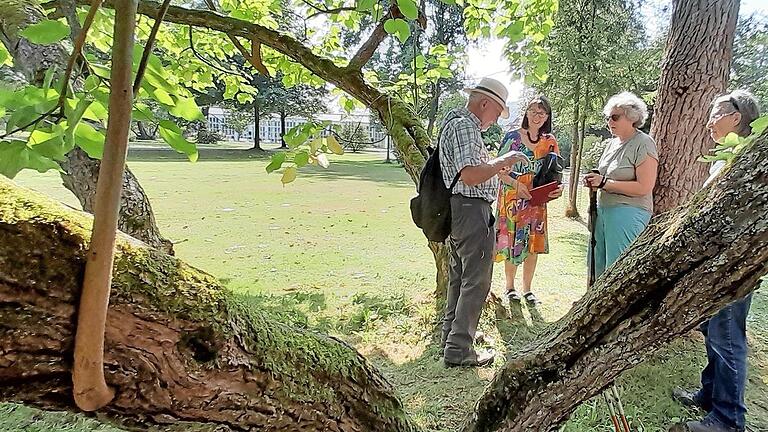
[(619, 162)]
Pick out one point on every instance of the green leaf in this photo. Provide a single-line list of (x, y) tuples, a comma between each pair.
[(46, 32), (398, 27), (408, 8), (334, 146), (91, 83), (449, 2), (163, 97), (49, 144), (731, 140), (289, 175), (277, 162), (759, 125), (420, 61), (90, 140), (301, 158), (171, 134), (16, 156), (244, 98), (5, 57), (187, 109), (365, 5)]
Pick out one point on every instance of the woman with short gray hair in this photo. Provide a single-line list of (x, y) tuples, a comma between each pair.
[(725, 334), (627, 176)]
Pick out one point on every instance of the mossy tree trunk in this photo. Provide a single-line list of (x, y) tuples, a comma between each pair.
[(79, 170), (178, 347)]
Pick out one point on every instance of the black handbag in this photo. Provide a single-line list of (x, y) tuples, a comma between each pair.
[(551, 169)]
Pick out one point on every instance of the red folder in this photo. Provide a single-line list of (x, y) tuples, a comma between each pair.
[(540, 195)]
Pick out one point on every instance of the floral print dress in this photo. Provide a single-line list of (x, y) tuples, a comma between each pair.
[(521, 229)]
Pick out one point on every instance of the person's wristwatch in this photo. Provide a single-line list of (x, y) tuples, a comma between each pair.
[(603, 182)]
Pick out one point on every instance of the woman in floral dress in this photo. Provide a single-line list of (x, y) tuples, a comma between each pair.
[(521, 232)]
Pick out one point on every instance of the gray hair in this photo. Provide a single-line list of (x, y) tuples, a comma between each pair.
[(634, 108), (744, 103)]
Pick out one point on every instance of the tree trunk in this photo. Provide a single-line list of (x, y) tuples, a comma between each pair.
[(80, 171), (143, 133), (136, 216), (696, 67), (256, 128), (434, 105), (572, 211), (684, 268), (179, 347), (282, 130)]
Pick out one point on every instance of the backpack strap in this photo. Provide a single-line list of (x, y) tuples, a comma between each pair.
[(437, 147)]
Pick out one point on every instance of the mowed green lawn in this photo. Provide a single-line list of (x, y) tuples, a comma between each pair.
[(336, 250)]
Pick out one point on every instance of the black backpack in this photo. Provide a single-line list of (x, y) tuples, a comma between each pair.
[(551, 169), (431, 208)]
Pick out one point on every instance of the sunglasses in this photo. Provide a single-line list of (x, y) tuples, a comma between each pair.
[(735, 105), (614, 117)]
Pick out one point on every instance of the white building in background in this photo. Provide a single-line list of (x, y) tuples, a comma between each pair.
[(269, 126)]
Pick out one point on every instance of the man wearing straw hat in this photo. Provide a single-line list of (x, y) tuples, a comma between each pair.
[(463, 155)]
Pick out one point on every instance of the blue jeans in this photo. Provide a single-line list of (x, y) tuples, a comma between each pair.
[(722, 381), (615, 229)]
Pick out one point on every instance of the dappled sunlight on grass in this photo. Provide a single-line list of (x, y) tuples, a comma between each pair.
[(337, 251)]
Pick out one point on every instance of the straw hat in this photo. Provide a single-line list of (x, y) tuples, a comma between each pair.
[(495, 90)]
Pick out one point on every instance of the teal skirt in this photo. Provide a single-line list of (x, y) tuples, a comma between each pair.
[(615, 229)]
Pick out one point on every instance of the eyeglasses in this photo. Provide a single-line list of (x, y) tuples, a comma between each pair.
[(614, 117), (734, 103), (538, 113)]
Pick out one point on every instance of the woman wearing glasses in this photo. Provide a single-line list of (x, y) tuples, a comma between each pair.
[(627, 176), (725, 334), (521, 233)]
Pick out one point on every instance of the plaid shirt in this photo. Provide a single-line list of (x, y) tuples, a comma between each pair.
[(461, 145)]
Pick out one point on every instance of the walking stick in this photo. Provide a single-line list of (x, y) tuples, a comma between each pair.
[(592, 241), (616, 396), (612, 410), (624, 425)]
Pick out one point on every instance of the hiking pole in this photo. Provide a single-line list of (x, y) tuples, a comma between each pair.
[(612, 411), (592, 240), (624, 422), (590, 281)]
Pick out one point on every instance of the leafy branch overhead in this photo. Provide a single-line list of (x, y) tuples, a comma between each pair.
[(271, 37)]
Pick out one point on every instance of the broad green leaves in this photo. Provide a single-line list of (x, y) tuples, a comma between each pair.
[(398, 27), (46, 32), (730, 146), (308, 143), (5, 56), (408, 8), (172, 134)]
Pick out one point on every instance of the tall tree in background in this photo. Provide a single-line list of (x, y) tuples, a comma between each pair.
[(697, 63), (597, 48), (750, 57)]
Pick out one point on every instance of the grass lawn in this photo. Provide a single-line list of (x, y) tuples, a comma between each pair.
[(336, 250)]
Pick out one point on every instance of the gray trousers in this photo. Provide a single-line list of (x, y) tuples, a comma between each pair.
[(471, 242)]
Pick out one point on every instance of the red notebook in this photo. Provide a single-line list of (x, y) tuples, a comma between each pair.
[(540, 195)]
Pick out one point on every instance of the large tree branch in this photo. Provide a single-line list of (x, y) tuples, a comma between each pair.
[(178, 346), (685, 267)]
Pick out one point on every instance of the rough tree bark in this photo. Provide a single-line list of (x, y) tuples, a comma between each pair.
[(179, 347), (202, 356), (696, 67), (685, 267), (80, 171)]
